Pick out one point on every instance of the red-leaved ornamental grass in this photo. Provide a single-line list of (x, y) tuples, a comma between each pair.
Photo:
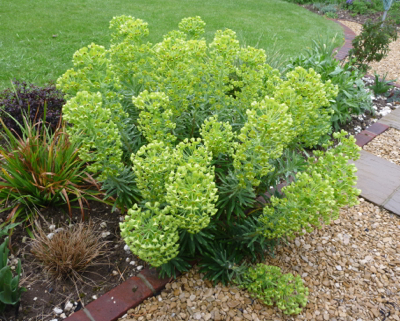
[(40, 168)]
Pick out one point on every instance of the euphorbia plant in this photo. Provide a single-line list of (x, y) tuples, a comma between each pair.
[(201, 131)]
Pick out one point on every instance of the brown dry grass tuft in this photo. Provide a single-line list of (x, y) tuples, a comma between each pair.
[(70, 251)]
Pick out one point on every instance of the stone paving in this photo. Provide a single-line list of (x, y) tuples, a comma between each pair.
[(378, 178)]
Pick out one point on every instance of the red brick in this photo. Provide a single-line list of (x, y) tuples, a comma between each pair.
[(78, 316), (377, 128), (349, 35), (126, 296), (364, 138), (151, 276)]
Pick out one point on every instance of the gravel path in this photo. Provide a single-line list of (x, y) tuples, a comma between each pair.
[(352, 269), (390, 64), (386, 145)]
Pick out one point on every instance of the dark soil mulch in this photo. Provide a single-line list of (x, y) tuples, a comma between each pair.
[(346, 15), (43, 295)]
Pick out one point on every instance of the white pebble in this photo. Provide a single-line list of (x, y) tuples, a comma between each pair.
[(50, 236), (35, 298), (339, 268), (57, 310), (52, 227), (128, 259), (68, 306), (103, 224), (126, 248), (105, 234), (132, 262), (94, 297), (62, 315), (139, 267)]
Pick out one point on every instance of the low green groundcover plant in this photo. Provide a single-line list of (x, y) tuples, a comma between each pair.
[(10, 291), (194, 134), (268, 284), (382, 86)]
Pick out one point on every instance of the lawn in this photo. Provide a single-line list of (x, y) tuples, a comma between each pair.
[(38, 38)]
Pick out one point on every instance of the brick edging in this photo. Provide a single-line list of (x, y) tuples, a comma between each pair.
[(370, 133), (349, 35), (116, 302)]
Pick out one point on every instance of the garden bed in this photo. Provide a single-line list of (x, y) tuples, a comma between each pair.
[(333, 266), (44, 295), (382, 105)]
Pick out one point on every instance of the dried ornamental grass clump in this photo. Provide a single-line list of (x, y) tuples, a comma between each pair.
[(68, 252)]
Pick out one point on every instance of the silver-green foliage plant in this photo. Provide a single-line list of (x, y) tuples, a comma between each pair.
[(10, 291), (203, 129)]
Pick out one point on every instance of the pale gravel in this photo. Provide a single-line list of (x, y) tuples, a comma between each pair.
[(351, 267), (390, 64), (386, 145)]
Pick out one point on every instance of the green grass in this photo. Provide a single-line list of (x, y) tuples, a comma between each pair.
[(38, 38)]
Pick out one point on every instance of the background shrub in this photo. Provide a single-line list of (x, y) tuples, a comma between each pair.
[(372, 44)]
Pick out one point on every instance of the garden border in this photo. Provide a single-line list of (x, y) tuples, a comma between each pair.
[(377, 128)]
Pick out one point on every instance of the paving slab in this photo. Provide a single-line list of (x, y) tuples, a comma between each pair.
[(378, 179), (393, 203), (392, 119)]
